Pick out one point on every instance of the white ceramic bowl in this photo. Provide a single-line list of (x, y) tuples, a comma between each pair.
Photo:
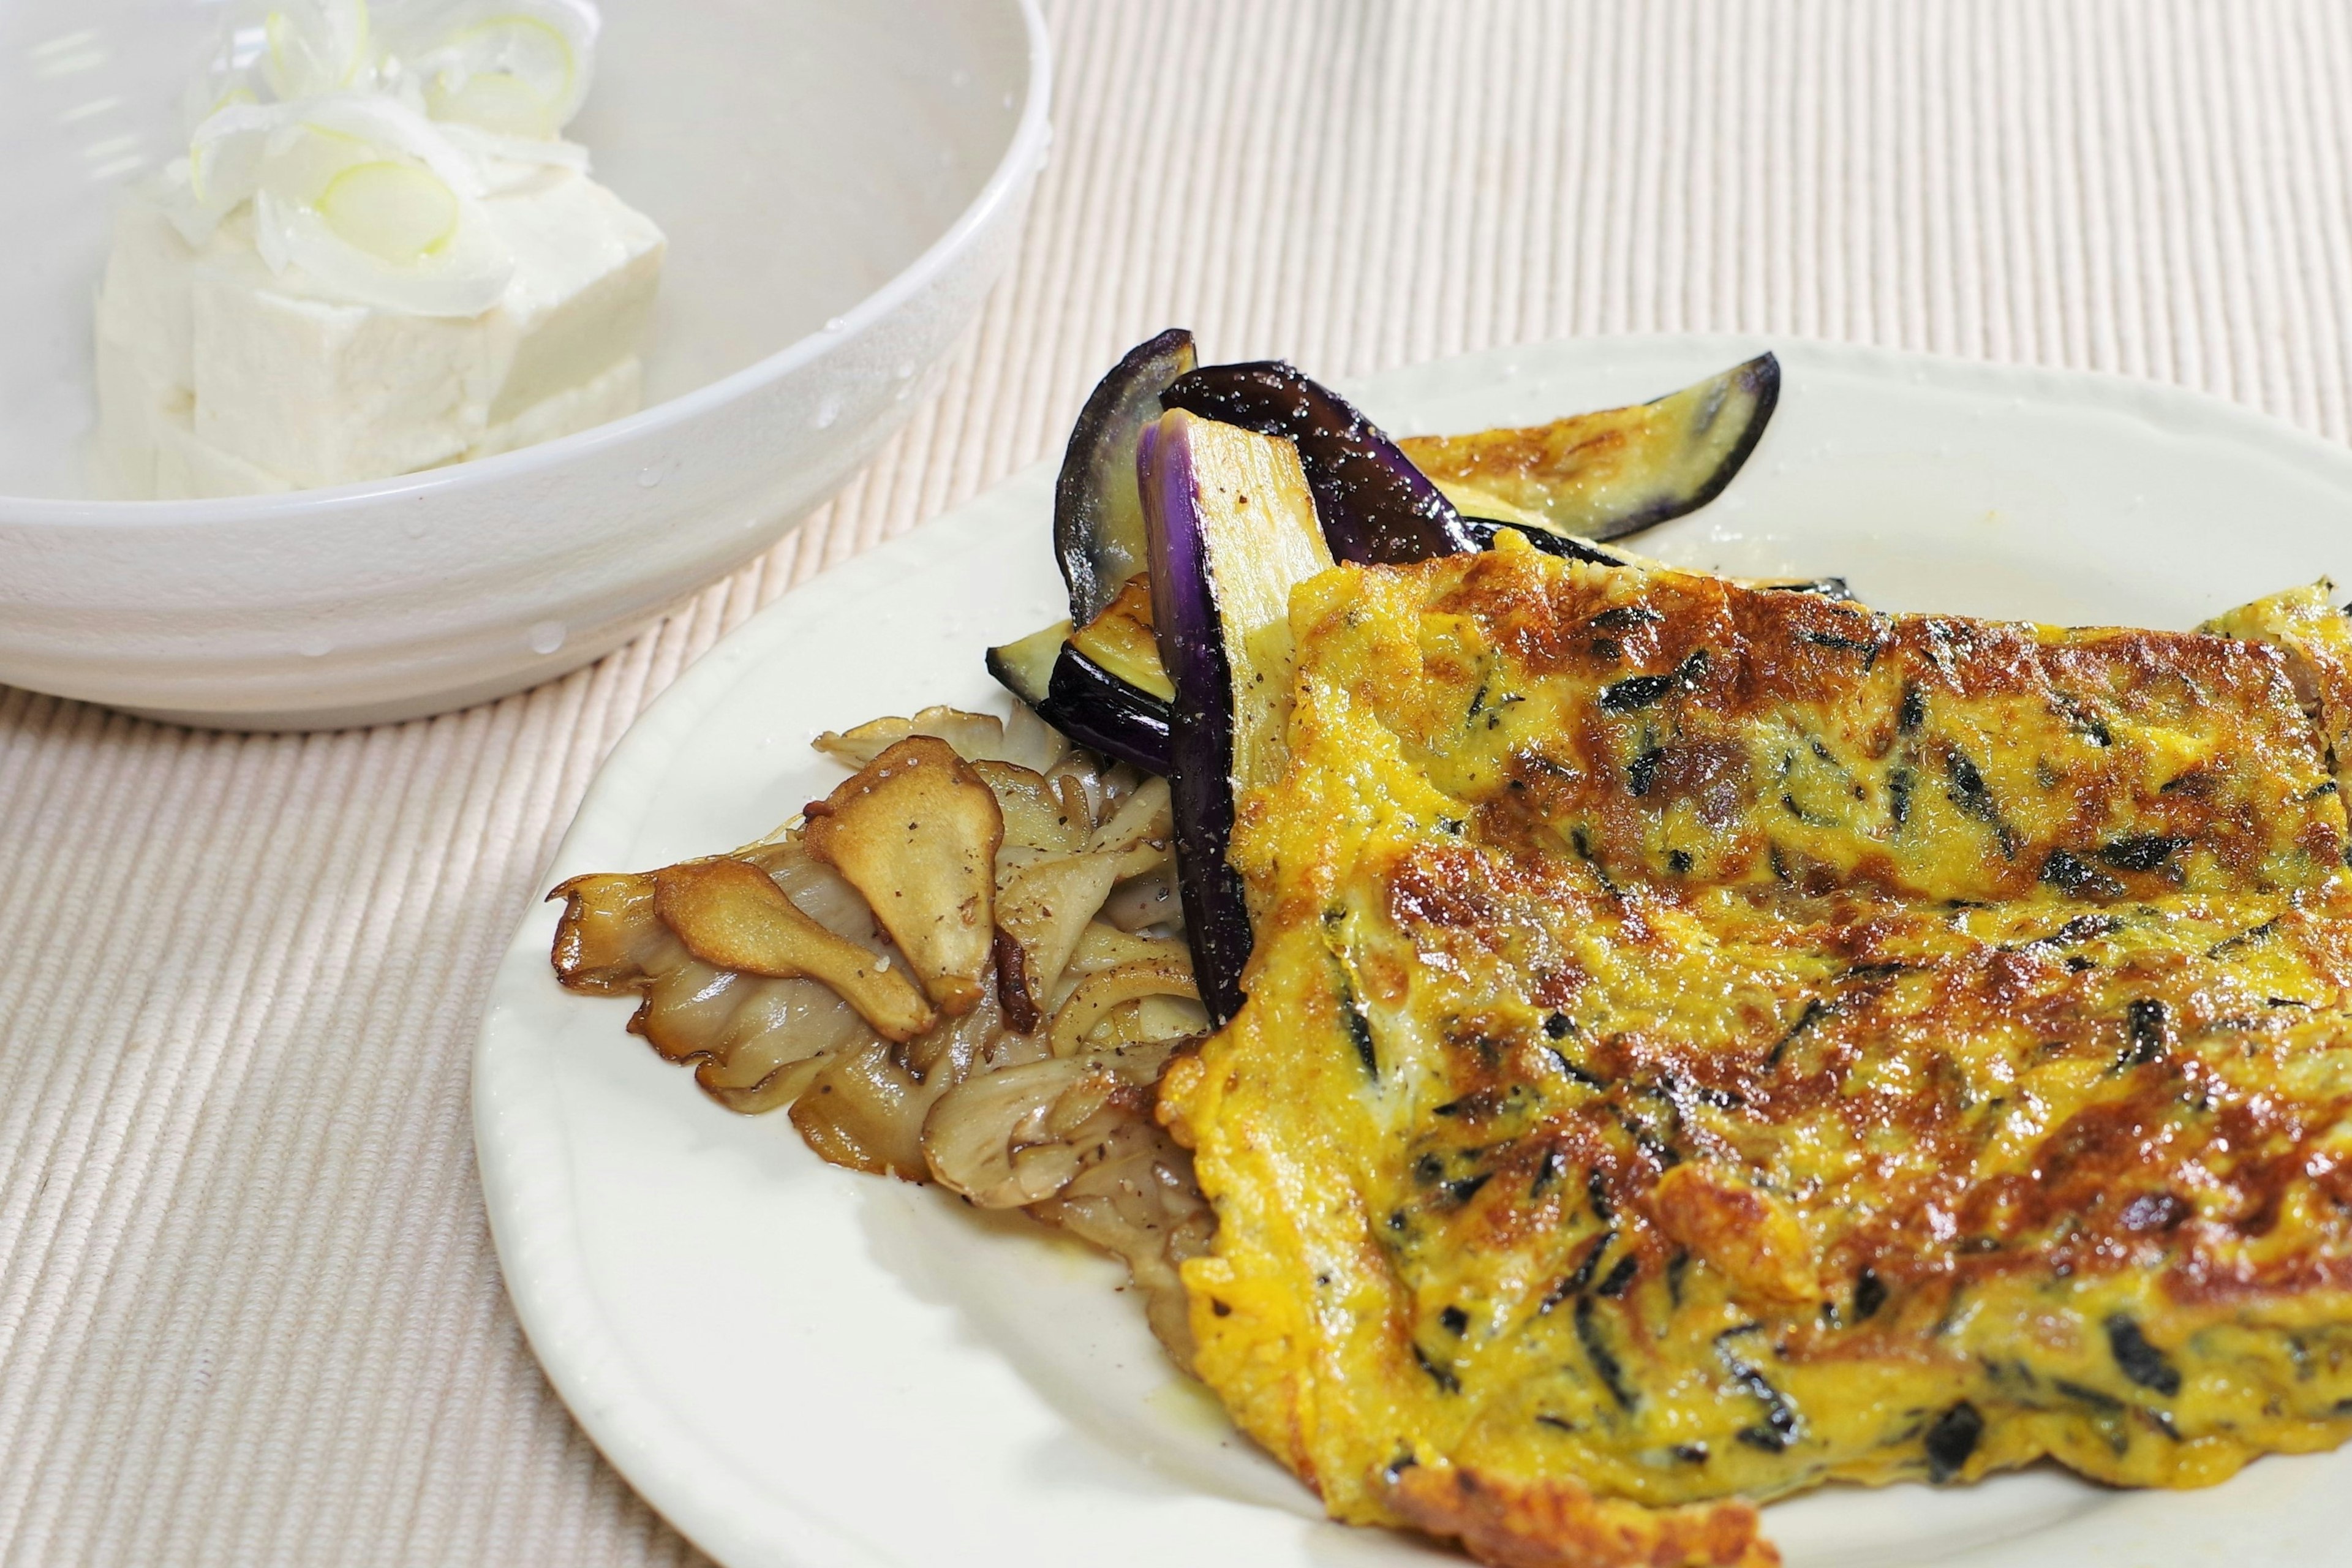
[(841, 183)]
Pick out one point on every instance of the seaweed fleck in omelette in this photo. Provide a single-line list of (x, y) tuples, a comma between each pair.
[(1704, 1042)]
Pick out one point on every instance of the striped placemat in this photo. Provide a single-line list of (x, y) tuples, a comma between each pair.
[(248, 1309)]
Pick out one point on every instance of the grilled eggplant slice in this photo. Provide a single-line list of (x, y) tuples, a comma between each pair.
[(1375, 506), (1024, 666), (1828, 588), (1600, 475), (1232, 529), (1607, 475), (1121, 641), (1104, 686), (1112, 713), (1097, 518), (1568, 546), (1104, 713)]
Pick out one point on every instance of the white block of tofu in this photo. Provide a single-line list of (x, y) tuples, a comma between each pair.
[(586, 267), (217, 377), (321, 392), (142, 363), (130, 405), (609, 394), (142, 301), (150, 449), (189, 468)]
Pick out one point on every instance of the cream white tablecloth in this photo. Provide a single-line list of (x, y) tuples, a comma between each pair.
[(248, 1309)]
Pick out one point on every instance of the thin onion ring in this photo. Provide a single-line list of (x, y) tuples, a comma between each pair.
[(1100, 992)]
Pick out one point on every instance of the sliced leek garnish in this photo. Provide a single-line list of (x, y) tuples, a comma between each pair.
[(319, 45), (398, 213), (513, 75)]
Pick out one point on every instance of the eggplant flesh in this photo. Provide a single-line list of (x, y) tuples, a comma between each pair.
[(1105, 714), (1098, 515), (1122, 641), (1233, 525), (1253, 479), (1612, 472), (1376, 506), (1568, 546), (1121, 708), (1024, 666), (1615, 472), (1827, 587)]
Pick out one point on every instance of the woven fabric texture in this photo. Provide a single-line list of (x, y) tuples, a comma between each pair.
[(249, 1312)]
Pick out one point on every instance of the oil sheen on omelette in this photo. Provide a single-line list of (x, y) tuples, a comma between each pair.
[(1706, 1041)]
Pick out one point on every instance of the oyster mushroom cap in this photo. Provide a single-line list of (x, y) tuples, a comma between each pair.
[(916, 831), (1004, 1139), (1046, 906), (731, 915)]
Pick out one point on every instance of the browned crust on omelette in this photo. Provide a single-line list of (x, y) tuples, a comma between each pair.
[(1705, 1041), (1560, 1524)]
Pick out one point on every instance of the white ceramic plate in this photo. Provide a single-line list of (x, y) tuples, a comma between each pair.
[(797, 1364)]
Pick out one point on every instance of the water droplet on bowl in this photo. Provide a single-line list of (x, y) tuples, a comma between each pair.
[(835, 323), (316, 645), (651, 475), (545, 636), (828, 410)]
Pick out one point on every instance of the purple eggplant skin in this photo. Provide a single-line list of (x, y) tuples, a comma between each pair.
[(1567, 546), (1616, 472), (1098, 515), (1103, 713), (1201, 759), (1749, 393), (1376, 508), (1024, 666), (1827, 587)]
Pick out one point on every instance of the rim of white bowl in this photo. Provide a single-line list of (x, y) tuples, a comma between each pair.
[(1031, 135)]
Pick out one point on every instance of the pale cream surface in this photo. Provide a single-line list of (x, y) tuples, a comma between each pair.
[(216, 377), (248, 1309)]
